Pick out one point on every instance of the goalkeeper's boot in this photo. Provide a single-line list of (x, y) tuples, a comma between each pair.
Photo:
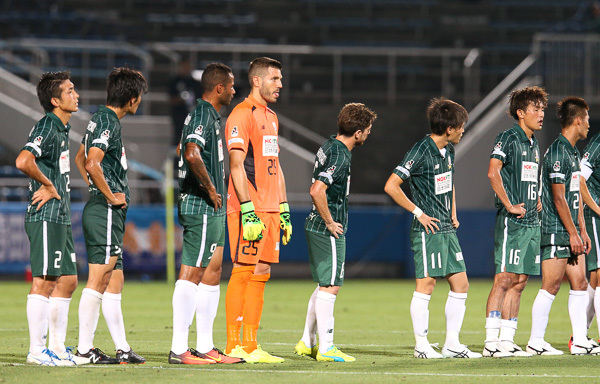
[(302, 350), (44, 358), (129, 357), (426, 351), (513, 349), (188, 358), (459, 352), (260, 356), (542, 348), (334, 354), (96, 356)]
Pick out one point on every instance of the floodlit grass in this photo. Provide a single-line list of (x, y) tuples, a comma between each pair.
[(372, 323)]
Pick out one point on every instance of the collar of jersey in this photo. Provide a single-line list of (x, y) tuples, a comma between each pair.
[(564, 140), (255, 102), (434, 147), (58, 122), (521, 133), (212, 109)]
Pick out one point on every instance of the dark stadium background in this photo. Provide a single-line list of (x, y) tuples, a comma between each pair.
[(393, 55)]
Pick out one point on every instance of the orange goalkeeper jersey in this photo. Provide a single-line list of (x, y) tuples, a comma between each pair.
[(252, 128)]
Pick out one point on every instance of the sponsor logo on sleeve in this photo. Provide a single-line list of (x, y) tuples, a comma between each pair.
[(105, 135), (409, 164), (199, 129), (38, 140), (234, 132), (556, 166), (331, 169)]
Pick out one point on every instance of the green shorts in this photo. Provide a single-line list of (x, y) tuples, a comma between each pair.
[(516, 247), (436, 255), (555, 246), (592, 259), (52, 250), (202, 234), (327, 257), (103, 231)]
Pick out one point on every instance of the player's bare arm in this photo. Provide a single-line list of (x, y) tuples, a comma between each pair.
[(238, 174), (455, 222), (562, 207), (498, 187), (94, 168), (26, 163), (282, 190), (318, 193), (193, 158), (393, 187), (80, 163), (587, 242)]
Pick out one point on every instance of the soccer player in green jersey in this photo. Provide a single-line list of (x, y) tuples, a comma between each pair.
[(590, 193), (325, 230), (429, 166), (45, 159), (102, 162), (514, 175), (202, 214), (564, 238)]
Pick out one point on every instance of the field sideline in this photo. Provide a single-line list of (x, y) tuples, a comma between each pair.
[(372, 323)]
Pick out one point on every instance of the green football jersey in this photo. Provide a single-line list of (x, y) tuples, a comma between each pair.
[(104, 132), (591, 163), (430, 174), (561, 166), (202, 127), (49, 143), (520, 173), (332, 167)]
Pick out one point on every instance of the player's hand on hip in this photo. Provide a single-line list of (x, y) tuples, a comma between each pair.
[(43, 195), (119, 200), (518, 210), (429, 223), (285, 222), (252, 226), (336, 229)]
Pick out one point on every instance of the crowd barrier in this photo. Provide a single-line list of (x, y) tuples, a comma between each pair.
[(376, 235)]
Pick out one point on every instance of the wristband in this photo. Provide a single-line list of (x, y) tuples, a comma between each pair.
[(247, 206), (284, 207), (417, 212)]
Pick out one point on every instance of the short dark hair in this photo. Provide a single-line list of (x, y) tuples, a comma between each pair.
[(49, 87), (570, 108), (261, 64), (124, 84), (443, 113), (521, 98), (215, 74), (354, 117)]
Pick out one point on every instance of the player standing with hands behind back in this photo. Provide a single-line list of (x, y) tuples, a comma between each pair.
[(429, 165), (256, 208)]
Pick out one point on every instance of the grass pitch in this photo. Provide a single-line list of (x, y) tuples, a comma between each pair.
[(372, 323)]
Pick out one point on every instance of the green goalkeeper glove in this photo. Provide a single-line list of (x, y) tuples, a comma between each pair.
[(285, 222), (252, 227)]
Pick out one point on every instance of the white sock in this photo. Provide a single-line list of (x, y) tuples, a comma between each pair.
[(492, 329), (89, 312), (540, 311), (185, 293), (578, 302), (58, 321), (37, 317), (310, 326), (590, 308), (508, 328), (419, 313), (597, 306), (324, 304), (113, 315), (455, 314), (206, 311)]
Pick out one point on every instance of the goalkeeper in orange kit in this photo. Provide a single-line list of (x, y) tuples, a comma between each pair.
[(257, 208)]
